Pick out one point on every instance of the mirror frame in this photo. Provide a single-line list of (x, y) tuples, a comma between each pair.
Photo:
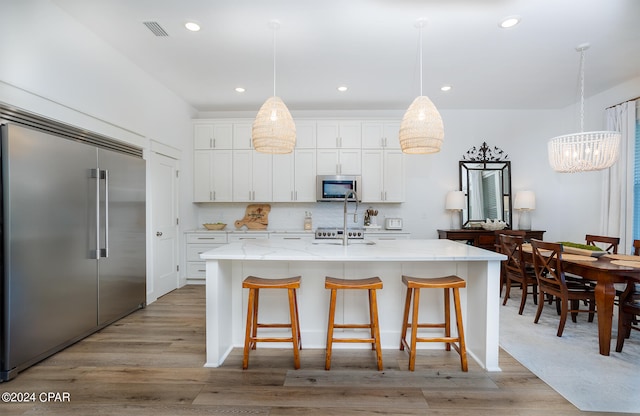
[(486, 159)]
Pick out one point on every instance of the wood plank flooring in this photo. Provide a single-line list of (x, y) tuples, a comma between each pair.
[(151, 363)]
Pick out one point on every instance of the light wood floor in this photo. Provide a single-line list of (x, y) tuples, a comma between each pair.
[(151, 363)]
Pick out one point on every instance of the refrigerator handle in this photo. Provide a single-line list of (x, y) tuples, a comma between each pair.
[(95, 174), (104, 252)]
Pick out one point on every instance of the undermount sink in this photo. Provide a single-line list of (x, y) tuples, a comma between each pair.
[(338, 242)]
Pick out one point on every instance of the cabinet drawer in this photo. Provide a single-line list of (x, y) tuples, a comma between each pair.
[(292, 236), (247, 236), (201, 238), (486, 240), (194, 250), (196, 269)]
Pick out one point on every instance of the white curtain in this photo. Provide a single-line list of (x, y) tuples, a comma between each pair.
[(617, 198)]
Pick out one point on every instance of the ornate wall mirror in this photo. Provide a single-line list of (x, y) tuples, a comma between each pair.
[(485, 179)]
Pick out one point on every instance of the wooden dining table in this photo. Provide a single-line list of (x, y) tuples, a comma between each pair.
[(605, 273)]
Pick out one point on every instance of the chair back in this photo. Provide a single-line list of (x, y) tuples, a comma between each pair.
[(611, 243), (547, 263), (511, 246), (498, 233)]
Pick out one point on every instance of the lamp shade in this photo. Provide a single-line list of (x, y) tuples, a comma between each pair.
[(421, 129), (273, 129), (587, 151), (525, 200), (454, 200)]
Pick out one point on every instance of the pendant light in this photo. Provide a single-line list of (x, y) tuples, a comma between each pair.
[(584, 151), (421, 130), (273, 130)]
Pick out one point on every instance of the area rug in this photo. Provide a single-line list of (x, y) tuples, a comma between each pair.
[(571, 364)]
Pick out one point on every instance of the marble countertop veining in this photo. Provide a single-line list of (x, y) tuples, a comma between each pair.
[(327, 250)]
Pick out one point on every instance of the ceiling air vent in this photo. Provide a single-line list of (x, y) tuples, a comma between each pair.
[(156, 28)]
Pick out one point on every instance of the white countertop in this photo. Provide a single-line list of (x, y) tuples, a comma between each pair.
[(323, 250)]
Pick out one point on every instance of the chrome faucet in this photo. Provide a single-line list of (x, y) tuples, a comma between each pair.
[(345, 237)]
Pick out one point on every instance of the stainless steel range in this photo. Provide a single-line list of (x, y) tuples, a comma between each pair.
[(337, 233)]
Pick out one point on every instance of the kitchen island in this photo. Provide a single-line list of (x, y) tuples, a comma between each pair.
[(229, 264)]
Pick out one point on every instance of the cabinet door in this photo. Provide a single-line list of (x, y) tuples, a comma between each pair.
[(393, 176), (242, 176), (372, 175), (378, 135), (350, 161), (221, 169), (242, 136), (261, 179), (203, 136), (327, 134), (305, 175), (305, 135), (202, 187), (391, 135), (350, 135), (283, 177), (327, 162)]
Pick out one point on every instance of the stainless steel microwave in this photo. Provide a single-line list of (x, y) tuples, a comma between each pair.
[(334, 187)]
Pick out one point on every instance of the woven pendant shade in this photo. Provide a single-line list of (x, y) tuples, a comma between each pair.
[(421, 130), (273, 129), (580, 152)]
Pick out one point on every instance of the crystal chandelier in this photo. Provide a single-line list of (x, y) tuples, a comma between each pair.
[(584, 151), (273, 130), (421, 130)]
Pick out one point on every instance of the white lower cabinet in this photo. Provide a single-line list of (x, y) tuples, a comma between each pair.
[(248, 235), (386, 235), (197, 243)]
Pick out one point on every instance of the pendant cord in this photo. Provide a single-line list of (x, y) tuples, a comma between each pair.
[(581, 91), (274, 62), (420, 60)]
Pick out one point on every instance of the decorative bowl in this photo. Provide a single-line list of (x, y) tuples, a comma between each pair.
[(217, 226), (493, 226)]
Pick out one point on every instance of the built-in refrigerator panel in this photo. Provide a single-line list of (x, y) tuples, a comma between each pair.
[(122, 274), (50, 277)]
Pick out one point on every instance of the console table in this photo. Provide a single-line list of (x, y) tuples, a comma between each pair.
[(482, 238)]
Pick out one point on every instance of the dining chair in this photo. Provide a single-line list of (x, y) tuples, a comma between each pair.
[(628, 311), (516, 271), (636, 247), (547, 263), (611, 243), (498, 233)]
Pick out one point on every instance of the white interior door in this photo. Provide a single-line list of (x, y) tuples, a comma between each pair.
[(164, 190)]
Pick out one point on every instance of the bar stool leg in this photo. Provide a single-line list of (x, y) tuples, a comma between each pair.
[(332, 315), (254, 327), (405, 319), (463, 347), (414, 329), (294, 328), (447, 318), (375, 327), (295, 302), (250, 323)]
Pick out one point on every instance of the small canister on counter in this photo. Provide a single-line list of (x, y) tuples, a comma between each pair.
[(308, 224)]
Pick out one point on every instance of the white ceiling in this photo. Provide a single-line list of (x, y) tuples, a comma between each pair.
[(372, 47)]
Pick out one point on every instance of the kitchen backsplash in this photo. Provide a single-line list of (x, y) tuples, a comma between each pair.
[(284, 216)]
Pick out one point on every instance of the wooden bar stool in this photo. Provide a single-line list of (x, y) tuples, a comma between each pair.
[(254, 284), (414, 284), (371, 284)]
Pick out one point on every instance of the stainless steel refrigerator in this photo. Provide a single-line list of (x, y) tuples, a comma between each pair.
[(73, 241)]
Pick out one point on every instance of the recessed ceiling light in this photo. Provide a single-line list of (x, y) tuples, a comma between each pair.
[(445, 88), (342, 88), (509, 21), (240, 89), (192, 26)]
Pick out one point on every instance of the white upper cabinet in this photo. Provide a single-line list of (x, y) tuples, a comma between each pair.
[(306, 135), (339, 135), (252, 176), (382, 175), (213, 136), (294, 176), (380, 135), (242, 136), (212, 176)]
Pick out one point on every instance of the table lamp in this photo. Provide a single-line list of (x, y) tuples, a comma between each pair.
[(455, 204), (525, 202)]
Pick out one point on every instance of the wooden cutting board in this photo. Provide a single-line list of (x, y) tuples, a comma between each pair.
[(256, 217)]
